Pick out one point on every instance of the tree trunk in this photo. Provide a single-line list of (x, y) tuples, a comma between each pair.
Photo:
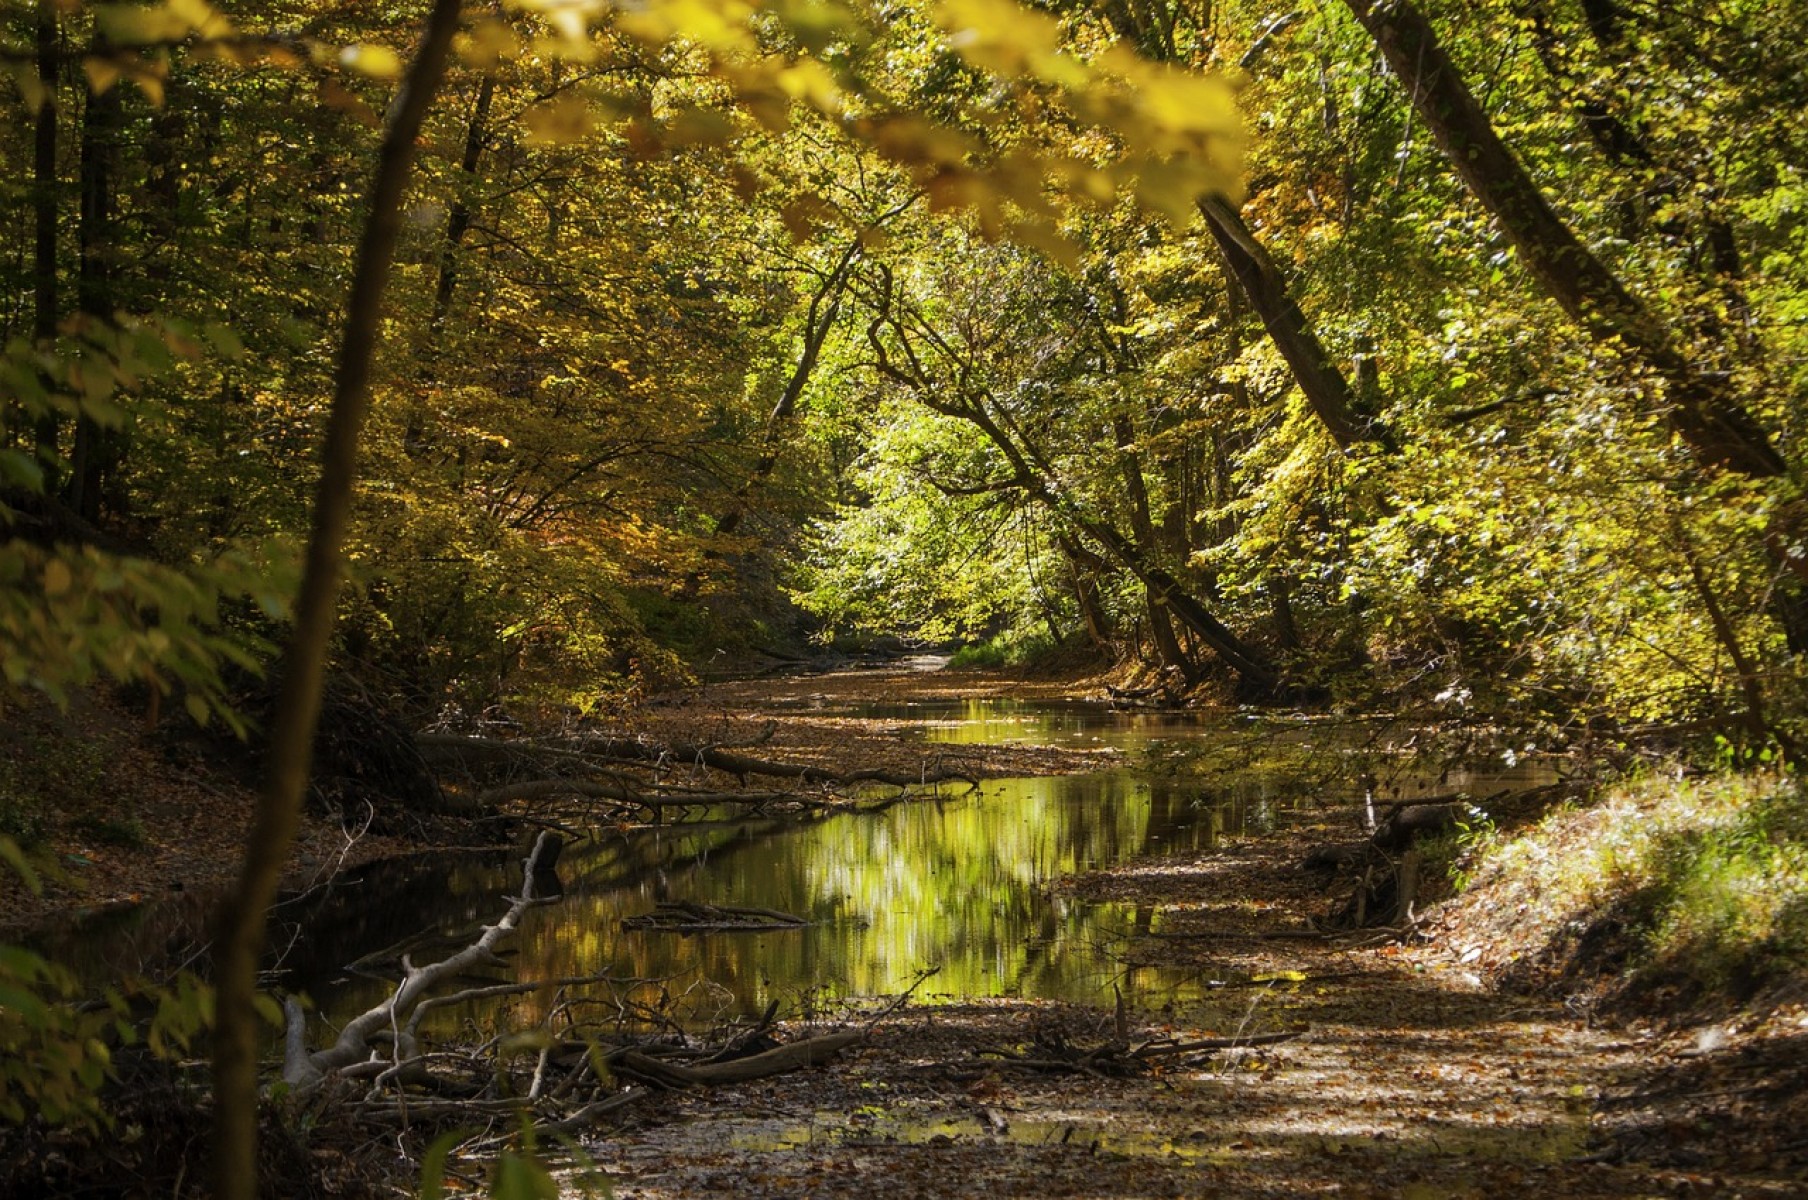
[(240, 939), (1142, 528), (44, 217), (1703, 410), (1083, 567), (819, 322), (1326, 390), (97, 450), (458, 220)]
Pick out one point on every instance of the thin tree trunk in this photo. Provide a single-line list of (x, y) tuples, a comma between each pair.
[(458, 220), (1142, 529), (240, 939), (819, 322), (1084, 567), (97, 450), (44, 215), (1325, 388)]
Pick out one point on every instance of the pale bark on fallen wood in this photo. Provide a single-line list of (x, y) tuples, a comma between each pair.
[(1217, 1043), (304, 1071), (596, 1109), (1265, 935)]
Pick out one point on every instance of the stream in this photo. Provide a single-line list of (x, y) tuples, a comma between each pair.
[(964, 883)]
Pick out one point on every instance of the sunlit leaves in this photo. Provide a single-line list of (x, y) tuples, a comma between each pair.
[(171, 21), (380, 62), (1177, 133)]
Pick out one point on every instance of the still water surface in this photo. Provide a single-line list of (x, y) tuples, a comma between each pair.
[(965, 882)]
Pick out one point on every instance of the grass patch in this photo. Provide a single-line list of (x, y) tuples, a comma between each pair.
[(1009, 649), (1698, 887), (44, 772), (127, 831)]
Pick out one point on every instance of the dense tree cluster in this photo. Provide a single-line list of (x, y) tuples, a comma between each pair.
[(1484, 384)]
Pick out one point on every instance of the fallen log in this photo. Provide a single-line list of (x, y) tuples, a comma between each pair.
[(793, 1056), (632, 797), (589, 749), (1159, 1049), (744, 766), (684, 916), (402, 1011)]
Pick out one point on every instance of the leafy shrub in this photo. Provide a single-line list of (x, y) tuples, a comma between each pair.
[(1010, 649)]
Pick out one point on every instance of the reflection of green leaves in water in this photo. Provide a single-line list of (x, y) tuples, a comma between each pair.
[(964, 883)]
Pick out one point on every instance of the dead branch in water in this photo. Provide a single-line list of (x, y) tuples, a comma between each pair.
[(559, 1076)]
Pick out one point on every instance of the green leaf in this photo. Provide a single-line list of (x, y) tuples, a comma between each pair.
[(433, 1163), (519, 1177), (15, 858)]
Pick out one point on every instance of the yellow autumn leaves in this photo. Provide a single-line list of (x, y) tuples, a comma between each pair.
[(1160, 135)]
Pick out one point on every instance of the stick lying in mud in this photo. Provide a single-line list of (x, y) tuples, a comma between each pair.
[(793, 1056)]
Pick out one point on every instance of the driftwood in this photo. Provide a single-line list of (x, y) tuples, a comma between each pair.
[(590, 749), (633, 777), (1233, 935), (793, 1056), (1116, 1057), (629, 796), (402, 1012), (560, 1077), (685, 916), (745, 767)]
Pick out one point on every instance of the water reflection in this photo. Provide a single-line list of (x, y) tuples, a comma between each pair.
[(960, 883)]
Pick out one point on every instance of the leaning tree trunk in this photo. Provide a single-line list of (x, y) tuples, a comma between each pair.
[(1703, 410), (240, 938), (1326, 390), (1249, 264)]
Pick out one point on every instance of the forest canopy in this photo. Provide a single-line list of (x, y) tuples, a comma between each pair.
[(1372, 356), (1356, 353)]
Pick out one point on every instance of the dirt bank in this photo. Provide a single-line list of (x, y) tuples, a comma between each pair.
[(1408, 1078)]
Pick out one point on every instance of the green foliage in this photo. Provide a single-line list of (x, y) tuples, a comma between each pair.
[(53, 1057), (1010, 649), (56, 1054), (44, 773), (1708, 878)]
